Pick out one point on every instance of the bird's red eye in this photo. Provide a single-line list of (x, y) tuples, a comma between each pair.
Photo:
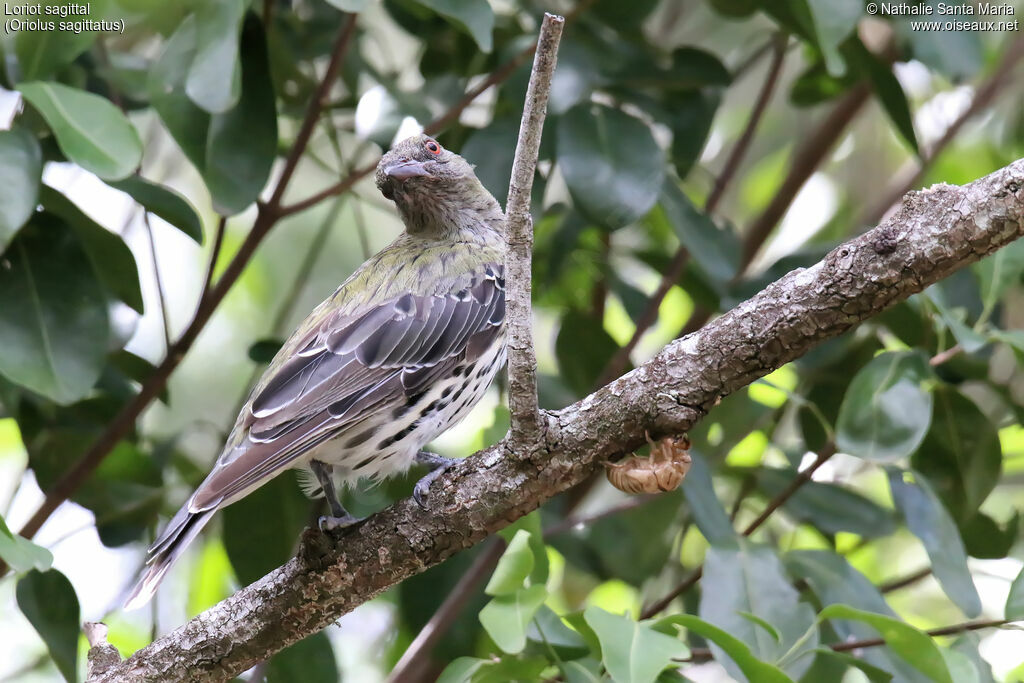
[(433, 147)]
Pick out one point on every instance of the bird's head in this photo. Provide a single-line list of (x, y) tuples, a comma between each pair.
[(435, 190)]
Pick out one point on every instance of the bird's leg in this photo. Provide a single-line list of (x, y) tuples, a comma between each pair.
[(339, 517), (437, 464)]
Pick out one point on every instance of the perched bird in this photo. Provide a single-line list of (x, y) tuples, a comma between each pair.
[(401, 352)]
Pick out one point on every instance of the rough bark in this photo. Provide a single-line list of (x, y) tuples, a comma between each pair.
[(522, 362), (934, 233)]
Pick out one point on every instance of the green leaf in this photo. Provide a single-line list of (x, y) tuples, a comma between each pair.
[(693, 112), (91, 131), (886, 412), (506, 617), (961, 455), (48, 601), (214, 80), (310, 660), (255, 549), (20, 553), (890, 93), (714, 251), (834, 21), (931, 523), (707, 510), (970, 340), (580, 69), (917, 648), (163, 202), (531, 524), (582, 364), (112, 260), (958, 55), (475, 17), (264, 350), (751, 667), (585, 670), (829, 507), (834, 581), (1015, 600), (691, 69), (491, 151), (986, 539), (750, 579), (548, 630), (998, 271), (873, 673), (611, 163), (234, 150), (21, 166), (42, 54), (461, 670), (513, 568), (53, 313), (632, 652)]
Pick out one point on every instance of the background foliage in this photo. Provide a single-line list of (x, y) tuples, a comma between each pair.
[(127, 153)]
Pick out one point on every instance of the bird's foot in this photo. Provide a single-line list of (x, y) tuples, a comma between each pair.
[(438, 465), (330, 523)]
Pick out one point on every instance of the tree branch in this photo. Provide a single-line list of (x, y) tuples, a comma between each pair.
[(522, 362), (935, 233)]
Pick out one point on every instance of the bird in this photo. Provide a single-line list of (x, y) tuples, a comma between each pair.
[(401, 352)]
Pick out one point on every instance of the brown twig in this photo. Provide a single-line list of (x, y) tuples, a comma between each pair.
[(805, 161), (903, 582), (419, 649), (944, 356), (826, 452), (161, 297), (649, 316), (910, 177), (522, 361), (700, 654)]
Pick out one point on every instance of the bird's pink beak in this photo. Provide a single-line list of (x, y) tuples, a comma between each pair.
[(404, 170)]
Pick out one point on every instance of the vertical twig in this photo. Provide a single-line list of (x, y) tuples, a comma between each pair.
[(522, 363), (166, 318)]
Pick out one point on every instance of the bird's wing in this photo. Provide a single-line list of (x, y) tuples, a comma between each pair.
[(347, 370)]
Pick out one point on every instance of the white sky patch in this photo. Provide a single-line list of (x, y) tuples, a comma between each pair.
[(409, 127), (934, 116), (810, 211), (10, 104), (914, 77), (369, 109)]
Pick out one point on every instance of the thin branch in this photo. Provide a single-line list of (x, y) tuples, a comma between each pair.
[(903, 582), (522, 362), (805, 162), (700, 654), (419, 650), (826, 452), (908, 178), (165, 318), (814, 150), (935, 234), (942, 631), (499, 75), (211, 266), (944, 356), (415, 656), (649, 316)]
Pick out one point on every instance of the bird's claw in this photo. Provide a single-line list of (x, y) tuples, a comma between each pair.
[(421, 492), (329, 524)]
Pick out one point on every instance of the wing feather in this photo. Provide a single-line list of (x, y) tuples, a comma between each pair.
[(354, 363)]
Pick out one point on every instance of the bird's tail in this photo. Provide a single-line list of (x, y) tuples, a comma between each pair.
[(179, 532)]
